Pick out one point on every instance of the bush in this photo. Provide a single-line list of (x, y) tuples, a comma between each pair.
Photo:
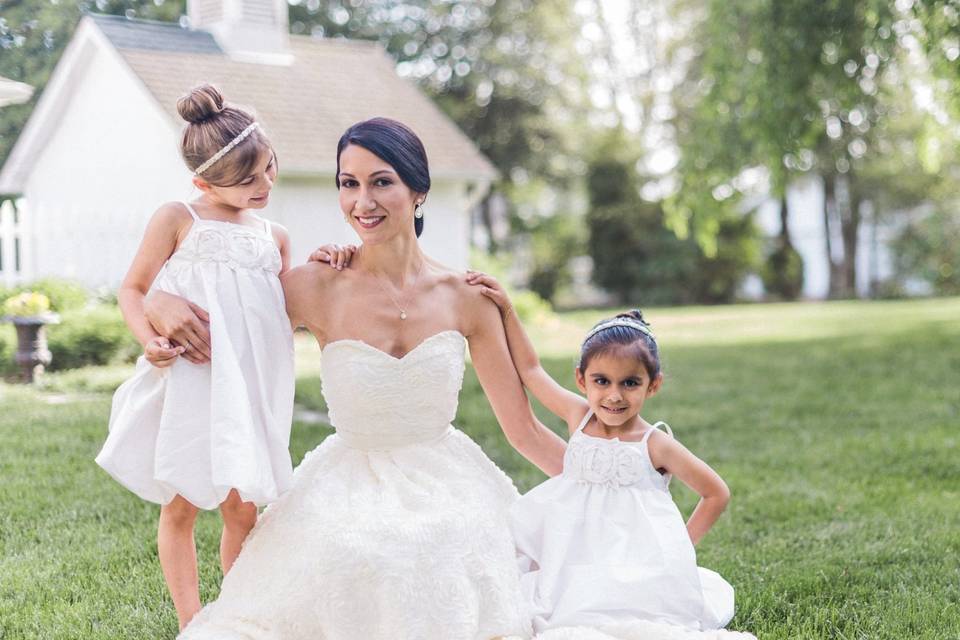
[(64, 295), (528, 304), (91, 336), (782, 273), (8, 349), (928, 249)]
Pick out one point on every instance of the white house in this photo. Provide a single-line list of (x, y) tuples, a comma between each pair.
[(100, 150)]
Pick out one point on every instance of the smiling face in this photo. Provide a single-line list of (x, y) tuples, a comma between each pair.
[(373, 198), (253, 190), (616, 385)]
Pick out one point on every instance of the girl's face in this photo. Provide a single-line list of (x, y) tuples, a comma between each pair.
[(252, 192), (373, 198), (616, 386)]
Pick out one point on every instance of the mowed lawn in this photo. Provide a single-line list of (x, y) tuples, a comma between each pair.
[(836, 425)]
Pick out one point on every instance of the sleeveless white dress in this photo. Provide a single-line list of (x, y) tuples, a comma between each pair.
[(202, 430), (605, 553), (395, 527)]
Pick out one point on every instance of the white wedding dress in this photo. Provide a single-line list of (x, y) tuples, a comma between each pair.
[(395, 527)]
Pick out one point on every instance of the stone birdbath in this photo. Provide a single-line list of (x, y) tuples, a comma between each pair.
[(30, 313)]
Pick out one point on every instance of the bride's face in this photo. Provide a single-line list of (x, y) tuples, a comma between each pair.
[(373, 198)]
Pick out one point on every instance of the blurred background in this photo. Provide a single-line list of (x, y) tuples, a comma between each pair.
[(656, 152)]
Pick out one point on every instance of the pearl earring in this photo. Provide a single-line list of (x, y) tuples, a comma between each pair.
[(418, 210)]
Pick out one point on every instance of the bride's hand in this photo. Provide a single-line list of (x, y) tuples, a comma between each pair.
[(182, 322), (491, 289), (335, 255)]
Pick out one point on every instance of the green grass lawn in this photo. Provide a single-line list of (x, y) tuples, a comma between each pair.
[(835, 425)]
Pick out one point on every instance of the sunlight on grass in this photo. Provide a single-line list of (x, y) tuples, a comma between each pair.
[(834, 424)]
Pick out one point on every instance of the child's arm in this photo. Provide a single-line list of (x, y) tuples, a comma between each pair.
[(668, 454), (158, 244), (562, 402), (282, 238)]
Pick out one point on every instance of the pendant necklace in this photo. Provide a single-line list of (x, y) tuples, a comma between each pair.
[(403, 312)]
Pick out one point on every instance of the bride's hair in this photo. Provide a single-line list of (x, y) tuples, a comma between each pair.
[(397, 145)]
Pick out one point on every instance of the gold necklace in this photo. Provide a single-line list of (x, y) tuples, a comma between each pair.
[(403, 312)]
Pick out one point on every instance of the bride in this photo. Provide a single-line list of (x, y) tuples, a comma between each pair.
[(395, 527)]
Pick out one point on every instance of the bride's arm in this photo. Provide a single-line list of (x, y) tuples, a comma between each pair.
[(501, 383)]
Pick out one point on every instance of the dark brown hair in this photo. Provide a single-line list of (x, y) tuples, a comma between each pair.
[(638, 344), (212, 126), (397, 145)]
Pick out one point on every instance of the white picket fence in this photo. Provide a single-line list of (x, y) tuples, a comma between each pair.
[(13, 242)]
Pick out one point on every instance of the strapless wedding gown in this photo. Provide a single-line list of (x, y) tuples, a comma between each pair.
[(395, 527)]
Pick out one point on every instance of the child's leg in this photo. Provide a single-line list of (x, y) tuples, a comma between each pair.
[(238, 519), (178, 556)]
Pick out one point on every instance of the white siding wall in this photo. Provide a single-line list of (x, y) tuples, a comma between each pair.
[(111, 161)]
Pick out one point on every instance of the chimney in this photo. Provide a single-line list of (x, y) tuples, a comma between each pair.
[(248, 30)]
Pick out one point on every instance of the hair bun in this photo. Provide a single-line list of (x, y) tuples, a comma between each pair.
[(634, 314), (201, 104)]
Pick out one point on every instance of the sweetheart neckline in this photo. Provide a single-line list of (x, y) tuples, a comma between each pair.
[(357, 341)]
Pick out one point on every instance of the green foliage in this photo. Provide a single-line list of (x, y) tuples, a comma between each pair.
[(25, 304), (940, 37), (554, 240), (92, 336), (637, 257), (530, 307), (64, 295), (8, 349), (33, 34), (928, 248), (641, 260), (783, 272)]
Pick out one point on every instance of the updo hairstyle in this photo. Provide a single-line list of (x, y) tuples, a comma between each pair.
[(624, 340), (397, 145), (212, 126)]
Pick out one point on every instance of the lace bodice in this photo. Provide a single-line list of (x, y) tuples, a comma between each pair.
[(377, 401), (234, 245), (614, 462)]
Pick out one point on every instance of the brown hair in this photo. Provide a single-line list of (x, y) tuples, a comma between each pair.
[(629, 340), (212, 125)]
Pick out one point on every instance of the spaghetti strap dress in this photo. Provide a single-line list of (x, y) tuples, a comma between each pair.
[(603, 545), (201, 430)]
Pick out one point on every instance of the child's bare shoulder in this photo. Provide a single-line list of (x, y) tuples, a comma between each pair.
[(173, 214)]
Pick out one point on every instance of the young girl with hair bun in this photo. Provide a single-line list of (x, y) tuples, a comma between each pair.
[(209, 430), (602, 545)]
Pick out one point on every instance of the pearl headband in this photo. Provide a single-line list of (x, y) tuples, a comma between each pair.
[(620, 322), (230, 145)]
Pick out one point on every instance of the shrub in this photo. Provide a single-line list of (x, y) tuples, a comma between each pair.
[(782, 273), (8, 349), (91, 336), (64, 295)]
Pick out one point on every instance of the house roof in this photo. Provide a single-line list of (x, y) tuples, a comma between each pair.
[(304, 106)]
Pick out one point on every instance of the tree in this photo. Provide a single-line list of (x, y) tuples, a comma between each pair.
[(791, 88), (33, 34)]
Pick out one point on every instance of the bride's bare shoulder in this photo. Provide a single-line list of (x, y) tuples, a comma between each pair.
[(308, 287), (307, 277), (472, 306)]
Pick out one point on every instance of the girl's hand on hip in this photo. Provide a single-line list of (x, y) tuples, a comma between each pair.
[(160, 353), (337, 256), (492, 289)]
